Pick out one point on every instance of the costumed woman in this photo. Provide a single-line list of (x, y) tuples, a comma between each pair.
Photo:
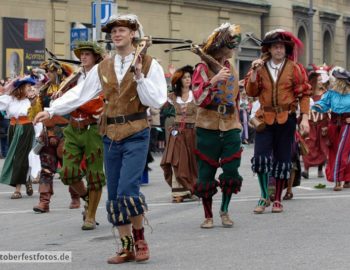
[(179, 161), (21, 134), (317, 141), (337, 99)]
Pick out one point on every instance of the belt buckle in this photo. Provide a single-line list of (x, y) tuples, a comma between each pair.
[(123, 119), (221, 109), (278, 109)]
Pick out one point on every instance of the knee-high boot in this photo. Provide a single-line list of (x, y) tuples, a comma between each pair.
[(75, 198), (45, 191), (90, 212)]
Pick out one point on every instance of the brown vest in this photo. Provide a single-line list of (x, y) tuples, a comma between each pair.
[(121, 100), (191, 111), (227, 95)]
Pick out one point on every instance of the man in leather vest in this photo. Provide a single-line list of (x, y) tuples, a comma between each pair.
[(125, 130), (280, 84), (217, 125)]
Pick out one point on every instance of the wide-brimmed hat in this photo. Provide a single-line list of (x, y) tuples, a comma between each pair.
[(342, 74), (128, 20), (226, 35), (179, 73), (292, 43), (82, 45), (23, 81), (55, 65)]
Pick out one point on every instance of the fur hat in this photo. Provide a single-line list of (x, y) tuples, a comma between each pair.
[(128, 20), (89, 46), (293, 45), (227, 34)]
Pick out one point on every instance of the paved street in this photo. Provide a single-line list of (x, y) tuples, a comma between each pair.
[(312, 233)]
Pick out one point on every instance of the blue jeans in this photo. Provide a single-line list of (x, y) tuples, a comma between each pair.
[(124, 164)]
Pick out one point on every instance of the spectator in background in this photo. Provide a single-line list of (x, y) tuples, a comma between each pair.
[(155, 124), (243, 113), (4, 125)]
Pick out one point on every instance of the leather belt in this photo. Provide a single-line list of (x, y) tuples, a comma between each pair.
[(187, 125), (21, 120), (276, 109), (82, 123), (123, 119), (221, 108)]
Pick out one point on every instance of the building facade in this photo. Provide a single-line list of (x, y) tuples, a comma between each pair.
[(324, 27)]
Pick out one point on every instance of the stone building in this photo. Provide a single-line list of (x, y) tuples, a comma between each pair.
[(324, 28)]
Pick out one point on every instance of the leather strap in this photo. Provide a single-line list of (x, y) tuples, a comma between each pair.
[(220, 108), (122, 119), (277, 109)]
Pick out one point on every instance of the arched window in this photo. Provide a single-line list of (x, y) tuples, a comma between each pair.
[(348, 53), (327, 48), (302, 36)]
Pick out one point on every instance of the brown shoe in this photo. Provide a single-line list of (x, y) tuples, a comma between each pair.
[(208, 223), (346, 185), (122, 256), (260, 208), (142, 251), (338, 187), (277, 207), (225, 220)]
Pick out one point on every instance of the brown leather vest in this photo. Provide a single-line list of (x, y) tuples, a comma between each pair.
[(227, 95), (190, 113), (121, 99)]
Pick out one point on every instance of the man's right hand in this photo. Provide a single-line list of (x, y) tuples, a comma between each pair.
[(223, 75), (257, 64), (41, 116)]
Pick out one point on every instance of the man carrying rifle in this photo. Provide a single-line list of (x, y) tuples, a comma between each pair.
[(82, 140), (216, 91), (280, 84), (125, 129)]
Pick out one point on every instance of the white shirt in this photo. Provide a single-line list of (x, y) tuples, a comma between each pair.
[(255, 108), (275, 69), (151, 90), (13, 106), (180, 101)]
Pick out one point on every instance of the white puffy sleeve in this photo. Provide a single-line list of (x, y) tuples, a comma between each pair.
[(78, 95), (152, 90)]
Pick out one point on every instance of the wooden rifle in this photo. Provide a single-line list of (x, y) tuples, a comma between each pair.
[(142, 44)]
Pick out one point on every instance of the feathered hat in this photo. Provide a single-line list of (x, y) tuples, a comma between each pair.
[(179, 73), (128, 20), (60, 68), (227, 35), (23, 81), (82, 45), (294, 46), (322, 71)]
